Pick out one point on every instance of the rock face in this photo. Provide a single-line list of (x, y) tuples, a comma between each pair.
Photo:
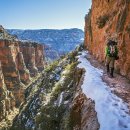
[(9, 52), (7, 101), (83, 114), (19, 61), (39, 59), (109, 19), (33, 57), (23, 71)]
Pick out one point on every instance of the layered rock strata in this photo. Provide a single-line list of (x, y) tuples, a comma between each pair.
[(19, 62), (33, 57)]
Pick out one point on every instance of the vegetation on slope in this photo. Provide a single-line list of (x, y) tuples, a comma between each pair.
[(48, 103)]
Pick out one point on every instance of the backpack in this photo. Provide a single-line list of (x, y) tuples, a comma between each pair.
[(112, 50)]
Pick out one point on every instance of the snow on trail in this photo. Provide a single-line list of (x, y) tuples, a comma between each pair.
[(112, 112), (61, 98)]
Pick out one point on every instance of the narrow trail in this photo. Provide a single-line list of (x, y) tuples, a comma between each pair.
[(112, 111)]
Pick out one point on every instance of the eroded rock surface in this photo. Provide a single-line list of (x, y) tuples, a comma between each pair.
[(20, 62), (109, 19)]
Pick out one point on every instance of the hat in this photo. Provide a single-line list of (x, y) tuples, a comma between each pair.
[(111, 42)]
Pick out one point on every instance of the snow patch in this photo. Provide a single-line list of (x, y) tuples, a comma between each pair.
[(112, 112), (61, 98)]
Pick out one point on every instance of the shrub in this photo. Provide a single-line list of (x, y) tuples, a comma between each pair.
[(50, 117), (101, 21), (56, 90), (51, 66), (66, 122)]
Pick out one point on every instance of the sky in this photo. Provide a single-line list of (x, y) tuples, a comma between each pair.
[(43, 14)]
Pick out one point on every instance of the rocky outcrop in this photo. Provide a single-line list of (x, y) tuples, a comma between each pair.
[(5, 35), (7, 100), (8, 55), (109, 19), (83, 114), (33, 55), (20, 62), (39, 56), (28, 52), (23, 71)]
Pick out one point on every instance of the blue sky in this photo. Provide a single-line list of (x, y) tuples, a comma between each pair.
[(36, 14)]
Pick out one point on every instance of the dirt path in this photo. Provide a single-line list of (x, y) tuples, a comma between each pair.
[(119, 84)]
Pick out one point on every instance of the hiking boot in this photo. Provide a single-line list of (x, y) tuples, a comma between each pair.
[(108, 70), (111, 73)]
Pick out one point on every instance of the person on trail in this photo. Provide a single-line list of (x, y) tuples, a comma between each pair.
[(111, 52)]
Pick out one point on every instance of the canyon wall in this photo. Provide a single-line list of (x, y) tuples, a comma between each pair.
[(20, 62), (33, 56), (109, 19)]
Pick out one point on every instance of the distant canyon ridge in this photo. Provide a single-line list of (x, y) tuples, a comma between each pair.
[(56, 42)]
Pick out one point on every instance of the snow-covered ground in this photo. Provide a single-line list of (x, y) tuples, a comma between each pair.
[(61, 98), (112, 112)]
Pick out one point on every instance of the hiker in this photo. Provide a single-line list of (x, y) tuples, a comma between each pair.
[(111, 52)]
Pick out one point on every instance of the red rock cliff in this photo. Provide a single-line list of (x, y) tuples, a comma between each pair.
[(19, 62), (109, 19), (7, 101), (33, 57)]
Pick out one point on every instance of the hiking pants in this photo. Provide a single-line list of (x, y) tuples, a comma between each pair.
[(110, 61)]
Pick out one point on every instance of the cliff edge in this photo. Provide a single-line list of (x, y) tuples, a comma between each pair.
[(20, 62), (109, 19)]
